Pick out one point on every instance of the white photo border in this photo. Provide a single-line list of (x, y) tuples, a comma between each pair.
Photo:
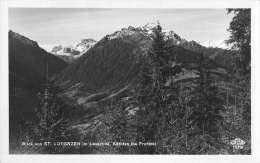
[(4, 100)]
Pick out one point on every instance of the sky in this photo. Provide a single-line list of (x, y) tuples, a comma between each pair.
[(67, 26)]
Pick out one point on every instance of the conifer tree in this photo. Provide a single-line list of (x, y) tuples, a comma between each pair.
[(154, 96), (207, 106), (115, 127), (50, 124), (240, 37)]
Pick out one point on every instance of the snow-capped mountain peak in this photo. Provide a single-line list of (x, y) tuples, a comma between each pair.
[(73, 52), (56, 49), (85, 45), (215, 44), (147, 30)]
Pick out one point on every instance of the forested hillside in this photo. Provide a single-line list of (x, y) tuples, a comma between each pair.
[(27, 76)]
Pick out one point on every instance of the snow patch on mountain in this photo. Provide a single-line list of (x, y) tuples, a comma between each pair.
[(147, 30), (84, 46), (216, 44), (124, 31)]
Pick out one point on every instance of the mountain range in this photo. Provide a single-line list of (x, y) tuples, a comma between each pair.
[(111, 67), (70, 53)]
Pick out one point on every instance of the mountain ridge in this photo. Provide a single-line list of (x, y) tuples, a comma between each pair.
[(70, 53), (27, 76)]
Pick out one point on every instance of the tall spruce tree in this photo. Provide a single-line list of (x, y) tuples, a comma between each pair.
[(207, 106), (240, 30), (240, 37), (154, 96), (50, 124)]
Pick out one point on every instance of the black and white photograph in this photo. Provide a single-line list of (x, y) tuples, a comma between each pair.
[(129, 81)]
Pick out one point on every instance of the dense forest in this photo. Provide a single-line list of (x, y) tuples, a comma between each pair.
[(166, 111)]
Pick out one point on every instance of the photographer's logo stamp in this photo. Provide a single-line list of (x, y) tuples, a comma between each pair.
[(237, 143)]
